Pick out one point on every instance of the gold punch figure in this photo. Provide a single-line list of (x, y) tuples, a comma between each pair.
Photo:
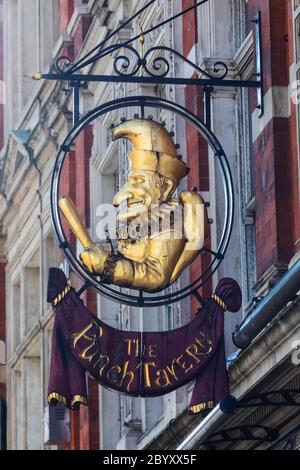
[(156, 257)]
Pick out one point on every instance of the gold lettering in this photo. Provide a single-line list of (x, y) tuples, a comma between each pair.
[(201, 334), (171, 370), (112, 373), (182, 364), (128, 341), (102, 358), (82, 334), (127, 373), (132, 343), (162, 374), (192, 351), (136, 347), (83, 354), (151, 352), (206, 347), (96, 333), (147, 373)]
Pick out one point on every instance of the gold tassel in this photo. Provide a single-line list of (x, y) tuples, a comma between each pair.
[(58, 397), (64, 401), (61, 296), (201, 407), (219, 302), (78, 399)]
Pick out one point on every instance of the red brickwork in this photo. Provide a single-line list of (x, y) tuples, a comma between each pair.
[(189, 27), (89, 417), (2, 390), (66, 11), (75, 183), (275, 149), (84, 144), (196, 146), (82, 29)]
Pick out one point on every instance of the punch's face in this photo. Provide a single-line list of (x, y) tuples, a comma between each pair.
[(143, 190)]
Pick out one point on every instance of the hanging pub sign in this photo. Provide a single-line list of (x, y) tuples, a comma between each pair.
[(158, 236)]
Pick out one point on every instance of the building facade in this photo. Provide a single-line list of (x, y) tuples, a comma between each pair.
[(263, 153)]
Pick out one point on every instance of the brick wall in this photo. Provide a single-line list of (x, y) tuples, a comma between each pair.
[(196, 146), (82, 29), (275, 148), (75, 183), (294, 144), (88, 417), (66, 11)]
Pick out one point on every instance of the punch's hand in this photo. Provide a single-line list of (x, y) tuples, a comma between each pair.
[(93, 258), (73, 218)]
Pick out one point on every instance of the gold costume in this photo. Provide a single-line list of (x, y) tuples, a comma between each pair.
[(158, 236)]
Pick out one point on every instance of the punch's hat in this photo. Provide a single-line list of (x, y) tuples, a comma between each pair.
[(153, 148)]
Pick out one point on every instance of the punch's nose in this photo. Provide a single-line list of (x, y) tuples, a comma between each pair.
[(123, 195)]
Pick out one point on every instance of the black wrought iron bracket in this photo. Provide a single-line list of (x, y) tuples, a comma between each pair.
[(284, 397), (242, 433), (152, 68), (247, 432)]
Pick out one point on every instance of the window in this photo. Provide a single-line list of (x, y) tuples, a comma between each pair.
[(244, 65), (12, 68), (28, 45), (18, 409), (49, 11), (248, 25), (32, 389), (16, 314), (30, 293)]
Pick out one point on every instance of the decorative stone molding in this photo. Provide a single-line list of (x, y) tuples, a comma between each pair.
[(268, 280)]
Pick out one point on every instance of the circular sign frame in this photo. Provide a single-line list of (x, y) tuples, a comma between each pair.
[(106, 290)]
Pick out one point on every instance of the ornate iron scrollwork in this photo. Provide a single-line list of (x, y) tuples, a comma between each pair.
[(63, 64), (128, 67), (157, 66)]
